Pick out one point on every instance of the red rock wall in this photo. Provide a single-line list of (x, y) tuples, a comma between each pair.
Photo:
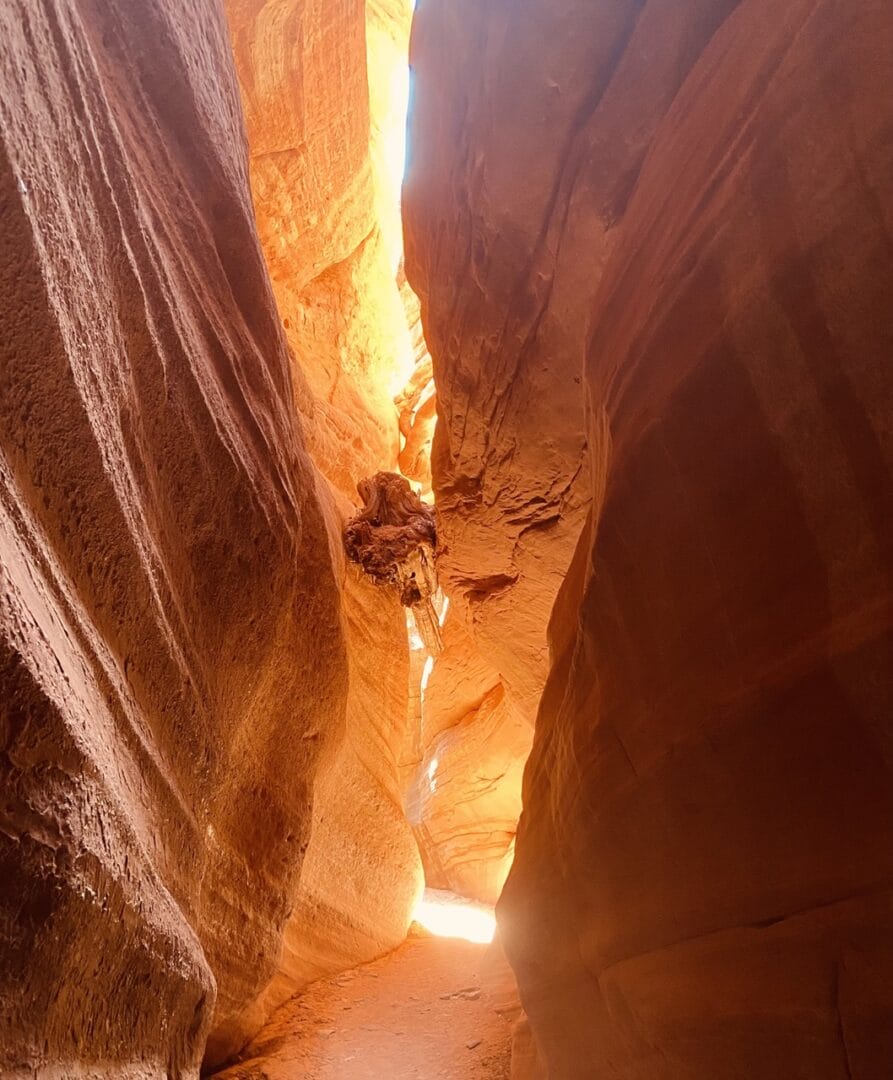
[(465, 795), (496, 269), (176, 665), (497, 260), (302, 69), (169, 608), (306, 93), (702, 880), (361, 875)]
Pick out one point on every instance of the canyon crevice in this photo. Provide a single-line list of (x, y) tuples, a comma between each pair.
[(175, 665), (192, 672), (635, 361), (689, 208)]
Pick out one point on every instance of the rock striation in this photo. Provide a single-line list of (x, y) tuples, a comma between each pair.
[(361, 875), (465, 796), (509, 458), (317, 84), (703, 873), (324, 217), (191, 673), (307, 71), (498, 268), (173, 660)]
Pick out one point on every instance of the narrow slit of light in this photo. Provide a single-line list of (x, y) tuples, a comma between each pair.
[(445, 915)]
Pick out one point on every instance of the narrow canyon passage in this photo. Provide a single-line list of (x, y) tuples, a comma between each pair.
[(446, 540), (432, 1010)]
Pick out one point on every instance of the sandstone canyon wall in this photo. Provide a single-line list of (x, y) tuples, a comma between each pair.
[(188, 671), (323, 220), (464, 797), (327, 232), (498, 267), (326, 166), (697, 200), (172, 642)]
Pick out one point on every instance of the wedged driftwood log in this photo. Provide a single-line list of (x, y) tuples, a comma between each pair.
[(394, 539)]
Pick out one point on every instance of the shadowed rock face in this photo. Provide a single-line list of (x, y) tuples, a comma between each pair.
[(703, 874), (500, 267), (180, 637), (173, 661), (652, 246)]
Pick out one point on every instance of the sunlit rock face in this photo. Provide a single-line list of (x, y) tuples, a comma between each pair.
[(702, 880), (497, 256), (173, 658), (327, 222), (465, 797), (354, 325), (388, 24), (361, 875), (192, 676)]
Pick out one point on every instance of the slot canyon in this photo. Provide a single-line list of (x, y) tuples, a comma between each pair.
[(446, 539)]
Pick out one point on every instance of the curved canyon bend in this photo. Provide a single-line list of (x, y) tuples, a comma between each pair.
[(446, 540)]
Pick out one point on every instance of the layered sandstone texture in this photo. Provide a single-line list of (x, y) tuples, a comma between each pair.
[(325, 127), (499, 268), (387, 49), (497, 265), (703, 877), (327, 214), (173, 656), (361, 876), (464, 798), (190, 686)]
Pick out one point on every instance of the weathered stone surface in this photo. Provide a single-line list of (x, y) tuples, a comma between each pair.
[(326, 227), (323, 225), (703, 876), (509, 462), (465, 797), (361, 875), (181, 638), (392, 524), (526, 1063), (169, 611), (417, 408), (499, 270)]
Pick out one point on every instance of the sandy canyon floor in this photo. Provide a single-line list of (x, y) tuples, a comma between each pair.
[(424, 1012)]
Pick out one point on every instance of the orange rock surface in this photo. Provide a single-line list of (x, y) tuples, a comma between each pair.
[(191, 675), (174, 664), (361, 875), (324, 220), (465, 796), (697, 200), (324, 225), (509, 456), (499, 280), (651, 243)]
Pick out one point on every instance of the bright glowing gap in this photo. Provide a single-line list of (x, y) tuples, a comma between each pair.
[(444, 914)]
